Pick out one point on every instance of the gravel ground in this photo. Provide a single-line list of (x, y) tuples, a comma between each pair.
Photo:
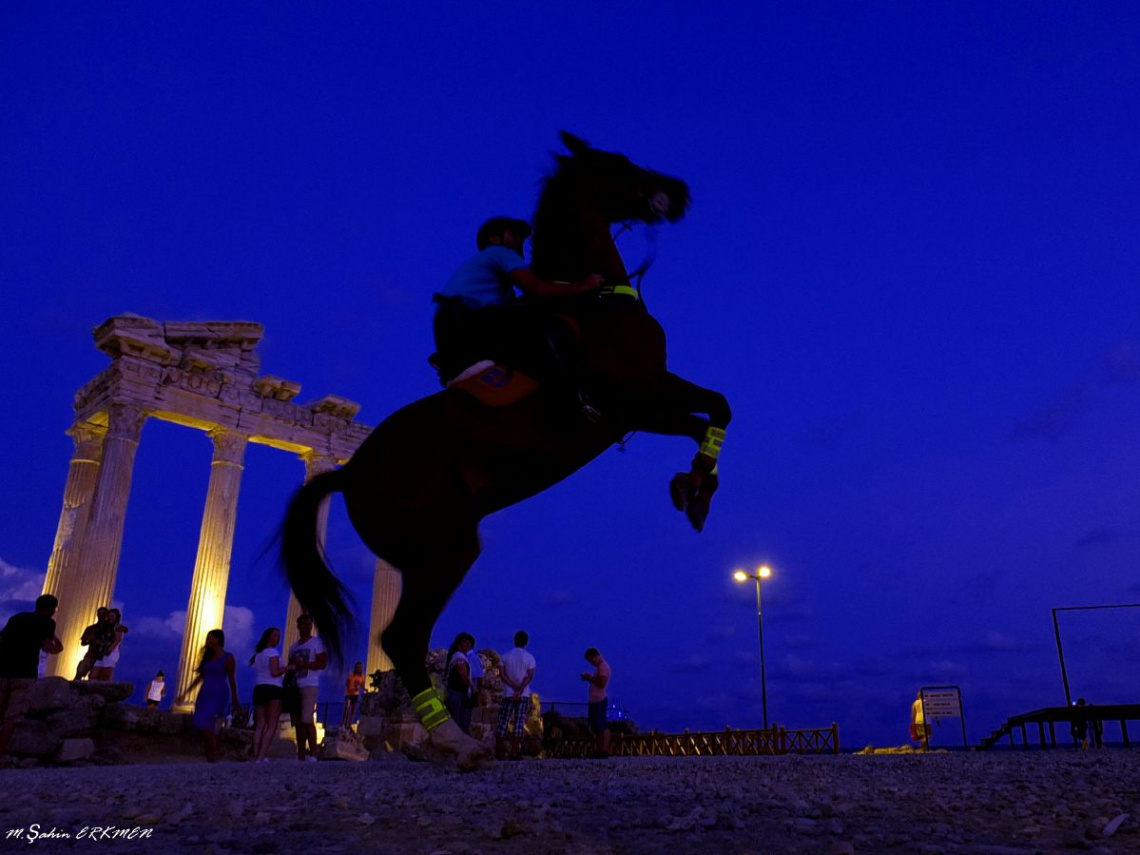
[(983, 804)]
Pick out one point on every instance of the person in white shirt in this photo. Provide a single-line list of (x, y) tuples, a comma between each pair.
[(268, 677), (155, 690), (308, 657), (517, 667)]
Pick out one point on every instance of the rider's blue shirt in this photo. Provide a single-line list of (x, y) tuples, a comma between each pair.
[(484, 279)]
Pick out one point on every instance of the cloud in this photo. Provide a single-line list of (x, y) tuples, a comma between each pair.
[(1121, 364), (20, 586), (696, 662), (1099, 536), (1054, 419), (238, 624), (557, 599)]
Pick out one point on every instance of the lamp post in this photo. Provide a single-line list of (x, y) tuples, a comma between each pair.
[(762, 572)]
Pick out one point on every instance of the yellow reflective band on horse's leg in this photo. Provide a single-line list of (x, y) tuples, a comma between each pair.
[(429, 707), (714, 439)]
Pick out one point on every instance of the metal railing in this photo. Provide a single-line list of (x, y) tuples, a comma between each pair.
[(727, 742)]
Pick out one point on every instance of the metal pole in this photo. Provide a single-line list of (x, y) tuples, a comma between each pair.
[(1061, 656), (763, 679)]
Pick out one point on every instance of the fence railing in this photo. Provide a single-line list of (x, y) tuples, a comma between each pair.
[(727, 742)]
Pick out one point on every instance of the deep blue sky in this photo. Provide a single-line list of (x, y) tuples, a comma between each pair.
[(911, 264)]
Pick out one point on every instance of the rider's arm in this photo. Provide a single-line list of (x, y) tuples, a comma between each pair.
[(538, 287)]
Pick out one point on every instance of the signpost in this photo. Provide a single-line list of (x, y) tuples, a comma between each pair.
[(939, 702)]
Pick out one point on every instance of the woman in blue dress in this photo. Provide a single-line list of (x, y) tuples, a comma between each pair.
[(214, 671)]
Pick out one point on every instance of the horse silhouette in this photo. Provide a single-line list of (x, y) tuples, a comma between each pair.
[(418, 487)]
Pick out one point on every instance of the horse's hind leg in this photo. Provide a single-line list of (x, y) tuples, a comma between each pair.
[(430, 577)]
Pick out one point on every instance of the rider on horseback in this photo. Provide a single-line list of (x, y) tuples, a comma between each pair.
[(479, 317)]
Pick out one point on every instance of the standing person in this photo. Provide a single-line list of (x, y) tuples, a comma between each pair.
[(155, 690), (517, 671), (215, 668), (1079, 726), (268, 677), (90, 640), (919, 730), (23, 637), (308, 657), (458, 683), (596, 698), (112, 641), (475, 662), (353, 688)]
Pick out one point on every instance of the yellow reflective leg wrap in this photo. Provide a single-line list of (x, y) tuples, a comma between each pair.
[(714, 439), (429, 707)]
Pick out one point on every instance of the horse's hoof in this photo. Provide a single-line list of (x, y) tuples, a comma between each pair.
[(698, 512), (476, 760), (681, 490)]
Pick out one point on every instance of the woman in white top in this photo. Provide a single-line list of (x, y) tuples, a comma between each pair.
[(267, 690)]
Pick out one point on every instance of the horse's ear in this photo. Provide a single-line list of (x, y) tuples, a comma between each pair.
[(575, 145)]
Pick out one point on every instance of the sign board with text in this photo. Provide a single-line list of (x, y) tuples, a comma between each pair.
[(939, 702)]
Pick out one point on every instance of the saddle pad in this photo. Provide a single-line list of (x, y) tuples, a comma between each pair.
[(495, 386)]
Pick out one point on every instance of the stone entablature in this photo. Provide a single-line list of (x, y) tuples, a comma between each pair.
[(205, 375)]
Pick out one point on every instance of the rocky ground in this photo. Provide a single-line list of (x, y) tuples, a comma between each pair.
[(983, 804)]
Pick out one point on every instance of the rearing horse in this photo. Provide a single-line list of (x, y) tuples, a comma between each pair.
[(417, 488)]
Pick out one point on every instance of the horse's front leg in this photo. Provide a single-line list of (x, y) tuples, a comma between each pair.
[(675, 398)]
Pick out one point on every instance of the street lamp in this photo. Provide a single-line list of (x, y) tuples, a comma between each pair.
[(762, 572)]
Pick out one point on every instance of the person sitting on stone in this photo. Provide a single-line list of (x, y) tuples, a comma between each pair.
[(478, 316)]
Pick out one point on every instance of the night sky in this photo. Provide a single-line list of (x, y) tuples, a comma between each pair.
[(911, 264)]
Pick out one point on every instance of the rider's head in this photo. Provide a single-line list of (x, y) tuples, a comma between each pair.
[(503, 231)]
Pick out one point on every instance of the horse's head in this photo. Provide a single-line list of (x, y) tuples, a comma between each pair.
[(590, 190), (623, 191)]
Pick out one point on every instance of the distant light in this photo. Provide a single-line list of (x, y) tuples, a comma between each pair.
[(765, 571), (740, 576)]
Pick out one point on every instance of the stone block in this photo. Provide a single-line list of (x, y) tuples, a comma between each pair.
[(399, 735), (173, 723), (72, 722), (34, 739), (48, 695), (74, 749), (110, 690), (119, 716), (372, 725)]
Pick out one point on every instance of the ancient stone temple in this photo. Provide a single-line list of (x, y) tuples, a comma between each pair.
[(203, 375)]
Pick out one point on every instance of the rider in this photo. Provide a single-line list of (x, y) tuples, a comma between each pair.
[(479, 316)]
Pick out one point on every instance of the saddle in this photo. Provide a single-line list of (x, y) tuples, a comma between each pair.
[(488, 383)]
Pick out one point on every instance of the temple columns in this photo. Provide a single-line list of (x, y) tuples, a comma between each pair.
[(315, 464), (78, 493), (92, 583), (386, 587), (206, 608)]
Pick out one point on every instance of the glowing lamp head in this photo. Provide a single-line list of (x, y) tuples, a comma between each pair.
[(764, 572), (740, 576)]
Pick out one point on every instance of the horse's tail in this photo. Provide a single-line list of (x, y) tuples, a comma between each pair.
[(303, 559)]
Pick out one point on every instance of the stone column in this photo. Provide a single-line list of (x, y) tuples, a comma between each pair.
[(386, 588), (315, 464), (92, 582), (207, 605), (77, 497)]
